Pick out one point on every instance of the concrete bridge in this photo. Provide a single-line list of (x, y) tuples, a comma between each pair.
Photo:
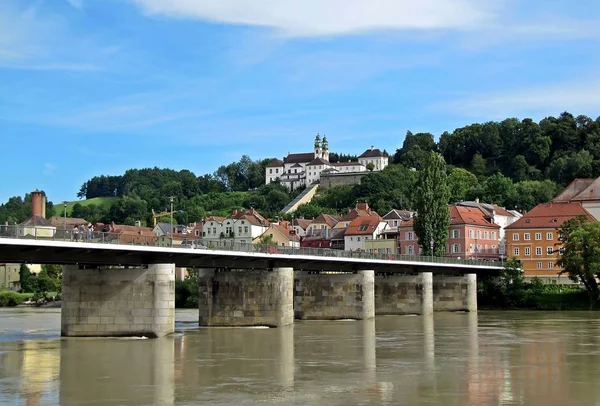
[(124, 290)]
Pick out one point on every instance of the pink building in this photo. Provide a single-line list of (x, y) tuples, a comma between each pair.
[(471, 235)]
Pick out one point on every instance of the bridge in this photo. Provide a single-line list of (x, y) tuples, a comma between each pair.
[(112, 288)]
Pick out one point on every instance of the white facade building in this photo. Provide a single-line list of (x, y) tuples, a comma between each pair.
[(298, 170), (241, 227)]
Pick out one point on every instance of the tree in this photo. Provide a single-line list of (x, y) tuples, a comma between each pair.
[(370, 166), (431, 203), (461, 184), (579, 255), (25, 278), (478, 165)]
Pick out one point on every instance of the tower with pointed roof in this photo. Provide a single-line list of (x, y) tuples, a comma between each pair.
[(325, 149), (318, 150)]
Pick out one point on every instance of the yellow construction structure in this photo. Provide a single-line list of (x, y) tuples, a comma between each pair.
[(161, 214)]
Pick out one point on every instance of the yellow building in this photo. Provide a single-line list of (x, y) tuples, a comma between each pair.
[(534, 239), (9, 276), (382, 246)]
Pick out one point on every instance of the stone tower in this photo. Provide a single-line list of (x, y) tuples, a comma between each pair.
[(325, 148), (318, 151)]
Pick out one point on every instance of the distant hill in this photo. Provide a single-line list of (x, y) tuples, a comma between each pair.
[(98, 201)]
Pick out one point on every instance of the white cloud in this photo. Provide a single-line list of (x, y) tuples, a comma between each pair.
[(304, 18), (49, 169), (578, 97), (78, 4)]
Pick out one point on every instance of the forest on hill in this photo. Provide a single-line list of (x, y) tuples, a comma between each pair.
[(513, 163)]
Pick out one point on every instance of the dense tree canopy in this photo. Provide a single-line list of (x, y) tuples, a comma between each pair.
[(514, 163)]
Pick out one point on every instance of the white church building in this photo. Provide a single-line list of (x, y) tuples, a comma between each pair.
[(303, 169)]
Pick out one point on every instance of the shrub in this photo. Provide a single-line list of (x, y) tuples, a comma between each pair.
[(10, 298)]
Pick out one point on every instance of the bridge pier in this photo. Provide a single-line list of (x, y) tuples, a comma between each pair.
[(117, 301), (331, 296), (397, 294), (455, 293), (246, 298)]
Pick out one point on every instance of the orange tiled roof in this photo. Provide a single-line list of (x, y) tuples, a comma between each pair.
[(363, 225), (472, 216), (275, 163), (550, 215), (328, 219), (302, 223)]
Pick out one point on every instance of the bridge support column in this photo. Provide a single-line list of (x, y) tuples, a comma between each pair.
[(331, 296), (113, 302), (455, 293), (246, 298), (403, 294)]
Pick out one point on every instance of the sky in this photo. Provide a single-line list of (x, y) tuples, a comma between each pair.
[(93, 87)]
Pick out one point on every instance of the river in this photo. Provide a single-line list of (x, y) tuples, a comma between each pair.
[(489, 358)]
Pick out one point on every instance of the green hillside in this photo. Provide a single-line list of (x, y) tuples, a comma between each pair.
[(98, 201)]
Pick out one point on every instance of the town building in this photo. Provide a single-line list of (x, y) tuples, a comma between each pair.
[(497, 215), (395, 217), (324, 221), (303, 169), (10, 277), (585, 192), (282, 234), (360, 230), (535, 241), (472, 235), (240, 227)]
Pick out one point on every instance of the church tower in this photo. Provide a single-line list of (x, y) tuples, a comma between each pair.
[(318, 151), (325, 148)]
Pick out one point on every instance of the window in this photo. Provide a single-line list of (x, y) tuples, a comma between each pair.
[(409, 235), (471, 248), (351, 238), (538, 236), (395, 223), (409, 250), (493, 235), (515, 236), (470, 233), (363, 227), (197, 233), (271, 170), (550, 265), (479, 248), (456, 248), (214, 230), (493, 249), (527, 251), (478, 234), (538, 265), (276, 170), (538, 250), (527, 236), (549, 250), (486, 235), (357, 238), (549, 236), (455, 233), (246, 229), (240, 230), (516, 251), (486, 249)]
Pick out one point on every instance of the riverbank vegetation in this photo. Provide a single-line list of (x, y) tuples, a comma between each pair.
[(511, 291), (10, 298)]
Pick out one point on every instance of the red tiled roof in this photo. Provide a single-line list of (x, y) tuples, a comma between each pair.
[(407, 223), (363, 225), (550, 215), (299, 158), (275, 163), (302, 223), (575, 188), (328, 219), (469, 216), (361, 210), (252, 216)]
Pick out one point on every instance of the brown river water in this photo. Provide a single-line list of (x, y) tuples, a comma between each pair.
[(489, 358)]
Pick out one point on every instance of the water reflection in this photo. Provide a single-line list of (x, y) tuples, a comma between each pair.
[(446, 359), (117, 371)]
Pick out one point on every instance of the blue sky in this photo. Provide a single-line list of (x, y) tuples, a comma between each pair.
[(91, 87)]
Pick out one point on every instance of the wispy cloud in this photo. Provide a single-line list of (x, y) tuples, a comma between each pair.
[(49, 169), (308, 18), (78, 4), (579, 96)]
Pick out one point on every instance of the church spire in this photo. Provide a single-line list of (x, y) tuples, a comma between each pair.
[(318, 150)]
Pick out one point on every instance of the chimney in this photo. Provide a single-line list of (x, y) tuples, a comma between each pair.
[(138, 223), (38, 204), (476, 200), (372, 147)]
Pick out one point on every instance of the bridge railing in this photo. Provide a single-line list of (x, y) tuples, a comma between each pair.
[(43, 233)]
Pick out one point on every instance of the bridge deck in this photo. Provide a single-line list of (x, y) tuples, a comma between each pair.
[(48, 250)]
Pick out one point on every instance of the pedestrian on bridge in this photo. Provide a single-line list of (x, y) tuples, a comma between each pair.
[(75, 233), (90, 232)]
